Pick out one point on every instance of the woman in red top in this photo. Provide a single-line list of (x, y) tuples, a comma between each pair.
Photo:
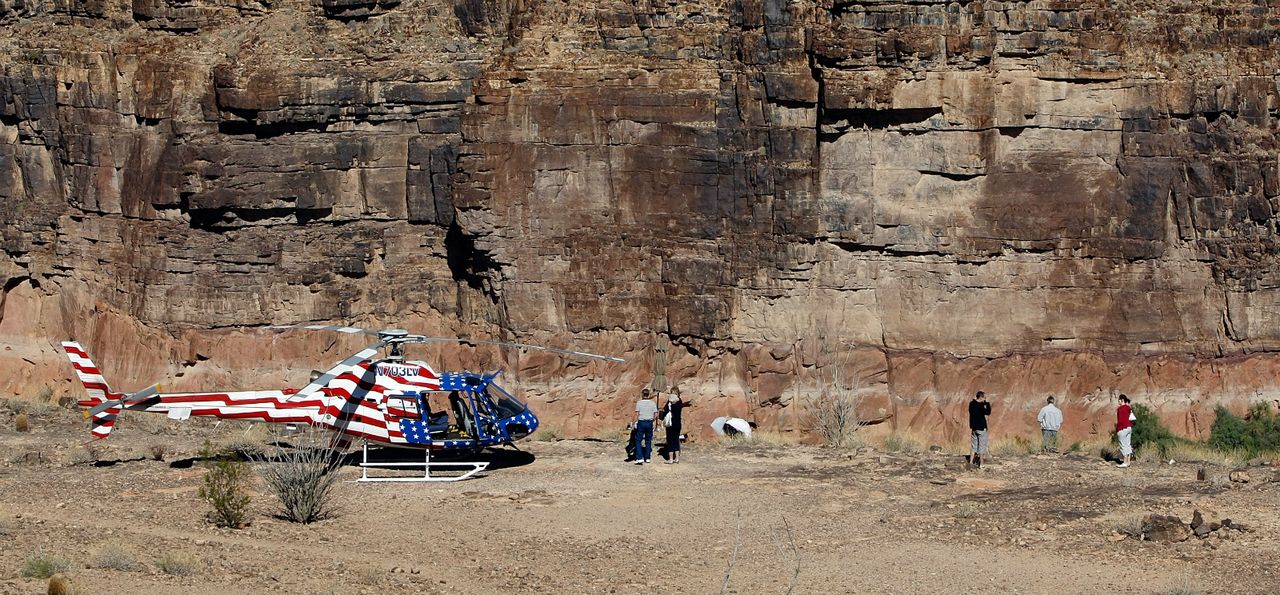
[(1124, 431)]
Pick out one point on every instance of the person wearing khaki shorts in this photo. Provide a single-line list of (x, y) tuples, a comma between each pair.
[(979, 409)]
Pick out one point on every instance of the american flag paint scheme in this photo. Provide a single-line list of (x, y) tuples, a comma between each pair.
[(381, 400)]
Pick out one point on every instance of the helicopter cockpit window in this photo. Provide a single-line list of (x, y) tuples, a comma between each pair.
[(404, 407), (502, 403)]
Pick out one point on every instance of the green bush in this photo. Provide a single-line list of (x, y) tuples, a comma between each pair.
[(224, 488), (1256, 433), (1149, 433)]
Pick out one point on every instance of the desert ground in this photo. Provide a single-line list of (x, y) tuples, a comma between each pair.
[(570, 516)]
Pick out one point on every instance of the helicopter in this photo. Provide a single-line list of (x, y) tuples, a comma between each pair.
[(384, 400)]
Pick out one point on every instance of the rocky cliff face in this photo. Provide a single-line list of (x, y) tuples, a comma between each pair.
[(912, 199)]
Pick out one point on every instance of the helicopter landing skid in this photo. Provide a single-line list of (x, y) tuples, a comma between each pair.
[(468, 469)]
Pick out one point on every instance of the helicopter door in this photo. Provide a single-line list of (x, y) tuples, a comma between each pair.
[(405, 410)]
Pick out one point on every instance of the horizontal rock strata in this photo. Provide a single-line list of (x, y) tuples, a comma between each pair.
[(913, 200)]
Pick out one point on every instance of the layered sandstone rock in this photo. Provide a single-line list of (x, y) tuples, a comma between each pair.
[(916, 200)]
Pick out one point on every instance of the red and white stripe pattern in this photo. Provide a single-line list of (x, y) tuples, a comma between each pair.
[(352, 402), (89, 374), (357, 398), (103, 405)]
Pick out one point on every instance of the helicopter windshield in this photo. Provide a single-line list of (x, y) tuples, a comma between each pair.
[(502, 403)]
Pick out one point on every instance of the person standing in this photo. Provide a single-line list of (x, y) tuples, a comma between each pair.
[(979, 409), (646, 410), (1050, 419), (671, 419), (1124, 430)]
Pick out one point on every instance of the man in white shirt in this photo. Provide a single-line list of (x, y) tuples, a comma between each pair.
[(646, 412), (1050, 419)]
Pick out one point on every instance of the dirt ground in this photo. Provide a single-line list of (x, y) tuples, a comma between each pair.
[(571, 517)]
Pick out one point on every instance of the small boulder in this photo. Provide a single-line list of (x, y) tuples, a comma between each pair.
[(1164, 529), (1234, 525)]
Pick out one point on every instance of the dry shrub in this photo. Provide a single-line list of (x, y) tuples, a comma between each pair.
[(157, 451), (21, 423), (41, 565), (176, 564), (31, 457), (114, 557), (302, 478), (86, 454), (833, 415)]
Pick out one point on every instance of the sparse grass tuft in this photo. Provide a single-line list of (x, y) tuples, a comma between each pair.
[(176, 564), (249, 444), (546, 435), (42, 565), (899, 442), (21, 423), (369, 576), (1130, 525), (775, 438), (1183, 586), (114, 557), (85, 454), (966, 509), (1200, 452), (152, 423), (1014, 446), (157, 451)]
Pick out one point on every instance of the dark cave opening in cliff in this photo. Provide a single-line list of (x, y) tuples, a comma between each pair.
[(467, 263)]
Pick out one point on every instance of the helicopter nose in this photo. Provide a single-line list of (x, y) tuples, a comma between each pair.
[(521, 425)]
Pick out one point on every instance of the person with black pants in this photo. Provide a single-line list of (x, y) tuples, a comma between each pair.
[(671, 419)]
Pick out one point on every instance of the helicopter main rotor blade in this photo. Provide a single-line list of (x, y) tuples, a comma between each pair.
[(323, 380), (608, 358), (325, 327), (390, 336)]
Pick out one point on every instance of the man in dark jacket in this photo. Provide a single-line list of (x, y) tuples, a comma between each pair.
[(979, 409)]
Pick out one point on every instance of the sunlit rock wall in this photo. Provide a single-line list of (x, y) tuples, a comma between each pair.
[(911, 201)]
